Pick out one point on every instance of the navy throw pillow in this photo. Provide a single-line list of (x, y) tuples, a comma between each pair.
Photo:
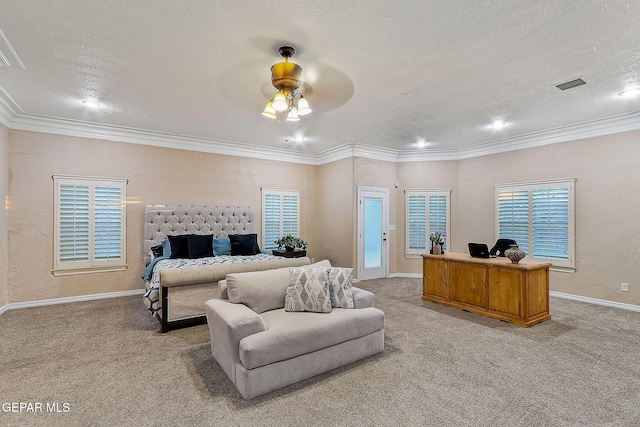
[(244, 244), (179, 246), (200, 246)]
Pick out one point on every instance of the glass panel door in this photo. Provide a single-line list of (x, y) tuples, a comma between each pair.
[(372, 232), (373, 257)]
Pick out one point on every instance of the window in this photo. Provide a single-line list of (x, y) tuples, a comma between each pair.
[(427, 211), (89, 224), (540, 216), (280, 215)]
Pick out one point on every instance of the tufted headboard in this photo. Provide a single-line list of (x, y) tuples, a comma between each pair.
[(161, 221)]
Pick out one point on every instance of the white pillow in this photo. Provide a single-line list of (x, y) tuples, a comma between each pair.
[(308, 290), (340, 282)]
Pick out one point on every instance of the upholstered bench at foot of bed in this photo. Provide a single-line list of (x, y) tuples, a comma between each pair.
[(209, 275)]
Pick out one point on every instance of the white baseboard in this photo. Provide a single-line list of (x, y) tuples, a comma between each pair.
[(596, 301), (407, 275), (53, 301)]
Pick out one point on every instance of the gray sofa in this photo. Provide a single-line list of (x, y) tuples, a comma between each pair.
[(262, 347)]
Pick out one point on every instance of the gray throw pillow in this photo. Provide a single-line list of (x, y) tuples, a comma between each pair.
[(340, 282), (308, 290)]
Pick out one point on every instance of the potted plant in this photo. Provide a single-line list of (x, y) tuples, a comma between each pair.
[(436, 242), (291, 243)]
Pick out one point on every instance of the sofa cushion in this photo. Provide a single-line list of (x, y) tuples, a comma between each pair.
[(308, 290), (259, 290), (291, 334), (340, 281), (224, 294)]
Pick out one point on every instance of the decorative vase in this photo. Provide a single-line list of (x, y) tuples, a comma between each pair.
[(437, 250), (514, 253)]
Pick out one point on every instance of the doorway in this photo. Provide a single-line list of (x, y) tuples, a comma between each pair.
[(373, 244)]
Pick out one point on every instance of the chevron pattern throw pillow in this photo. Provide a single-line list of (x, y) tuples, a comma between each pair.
[(340, 282), (308, 290)]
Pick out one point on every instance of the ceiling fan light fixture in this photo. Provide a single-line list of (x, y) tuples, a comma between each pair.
[(293, 115), (286, 78), (303, 106), (280, 102), (269, 111)]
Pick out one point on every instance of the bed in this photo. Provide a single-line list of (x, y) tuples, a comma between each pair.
[(191, 282)]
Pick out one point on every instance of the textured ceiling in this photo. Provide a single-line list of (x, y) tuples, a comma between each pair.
[(383, 73)]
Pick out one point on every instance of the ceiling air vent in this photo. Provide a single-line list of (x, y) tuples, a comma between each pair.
[(571, 84)]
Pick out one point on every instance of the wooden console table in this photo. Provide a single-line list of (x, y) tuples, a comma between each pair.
[(490, 287)]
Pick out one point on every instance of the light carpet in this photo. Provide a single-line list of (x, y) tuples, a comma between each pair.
[(440, 367)]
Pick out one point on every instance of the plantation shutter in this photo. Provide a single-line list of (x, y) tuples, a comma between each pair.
[(74, 240), (438, 216), (90, 224), (427, 211), (290, 214), (551, 223), (272, 220), (513, 217), (281, 213), (108, 223), (540, 216), (417, 223)]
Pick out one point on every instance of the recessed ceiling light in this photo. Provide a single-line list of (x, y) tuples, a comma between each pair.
[(498, 124), (422, 143), (91, 103), (631, 92)]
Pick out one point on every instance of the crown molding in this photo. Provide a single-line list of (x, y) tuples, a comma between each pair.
[(607, 126), (80, 129), (13, 117)]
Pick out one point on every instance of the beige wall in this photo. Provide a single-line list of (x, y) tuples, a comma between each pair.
[(432, 174), (334, 217), (607, 230), (607, 207), (156, 175), (4, 178)]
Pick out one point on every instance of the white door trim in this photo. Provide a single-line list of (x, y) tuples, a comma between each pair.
[(383, 271)]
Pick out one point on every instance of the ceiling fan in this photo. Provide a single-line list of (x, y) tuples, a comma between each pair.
[(289, 102)]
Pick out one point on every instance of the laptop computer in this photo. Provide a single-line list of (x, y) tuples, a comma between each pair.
[(479, 250)]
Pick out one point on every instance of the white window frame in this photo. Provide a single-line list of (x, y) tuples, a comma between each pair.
[(569, 265), (426, 192), (281, 193), (62, 267)]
